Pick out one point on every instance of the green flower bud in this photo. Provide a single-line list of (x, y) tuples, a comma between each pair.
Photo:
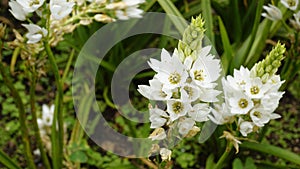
[(269, 66), (192, 37)]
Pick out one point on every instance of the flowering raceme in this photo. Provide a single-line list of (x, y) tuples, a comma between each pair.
[(251, 96), (186, 83)]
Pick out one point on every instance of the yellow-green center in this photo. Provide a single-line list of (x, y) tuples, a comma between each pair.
[(291, 2), (174, 78), (199, 75), (243, 103), (254, 90), (177, 107), (257, 114)]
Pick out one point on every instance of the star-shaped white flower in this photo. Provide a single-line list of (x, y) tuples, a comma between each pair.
[(185, 126), (245, 127), (272, 13), (35, 33), (155, 90), (291, 4), (255, 89), (189, 93), (260, 116), (158, 117), (47, 114), (17, 10), (30, 5), (60, 8), (177, 109), (200, 112), (240, 103)]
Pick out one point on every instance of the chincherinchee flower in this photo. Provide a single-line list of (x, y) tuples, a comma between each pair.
[(47, 114), (30, 5), (158, 117), (177, 109), (126, 9), (155, 90), (240, 103), (273, 13), (60, 8), (35, 33), (291, 4), (17, 10)]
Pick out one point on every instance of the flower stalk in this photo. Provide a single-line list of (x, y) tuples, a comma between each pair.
[(224, 156), (57, 138)]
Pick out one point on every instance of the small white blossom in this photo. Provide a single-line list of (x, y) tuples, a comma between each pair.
[(291, 4), (47, 114), (259, 116), (157, 117), (35, 33), (245, 127), (185, 126), (155, 90), (17, 10), (130, 12), (296, 21), (240, 103), (165, 154), (255, 89), (221, 114), (177, 109), (60, 8), (200, 112), (158, 134), (272, 13), (30, 5)]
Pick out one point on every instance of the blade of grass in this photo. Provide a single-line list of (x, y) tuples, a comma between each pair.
[(207, 16), (228, 52), (170, 9), (241, 58), (6, 161), (273, 150)]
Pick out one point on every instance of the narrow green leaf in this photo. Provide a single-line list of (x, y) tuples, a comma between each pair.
[(228, 52), (207, 16), (273, 150), (237, 21), (237, 164), (6, 161), (171, 9), (249, 164), (210, 161)]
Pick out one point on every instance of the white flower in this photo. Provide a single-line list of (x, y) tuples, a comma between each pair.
[(177, 109), (291, 4), (30, 5), (165, 154), (158, 134), (260, 116), (205, 69), (200, 112), (221, 115), (296, 22), (41, 126), (130, 12), (185, 126), (273, 13), (35, 33), (60, 8), (155, 90), (240, 103), (271, 101), (157, 117), (17, 11), (209, 95), (239, 79), (274, 82), (47, 114), (255, 89), (189, 93), (170, 71), (245, 127)]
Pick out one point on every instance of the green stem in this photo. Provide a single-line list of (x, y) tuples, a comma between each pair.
[(68, 66), (57, 147), (22, 116), (224, 156), (35, 124)]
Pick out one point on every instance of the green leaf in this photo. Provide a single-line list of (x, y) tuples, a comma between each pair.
[(250, 163), (237, 164), (273, 150), (78, 157), (170, 9), (210, 161), (6, 161), (207, 16), (228, 52)]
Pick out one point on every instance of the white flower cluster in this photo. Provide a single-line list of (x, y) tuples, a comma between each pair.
[(248, 99), (21, 9), (274, 13), (126, 9), (45, 122), (186, 87)]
